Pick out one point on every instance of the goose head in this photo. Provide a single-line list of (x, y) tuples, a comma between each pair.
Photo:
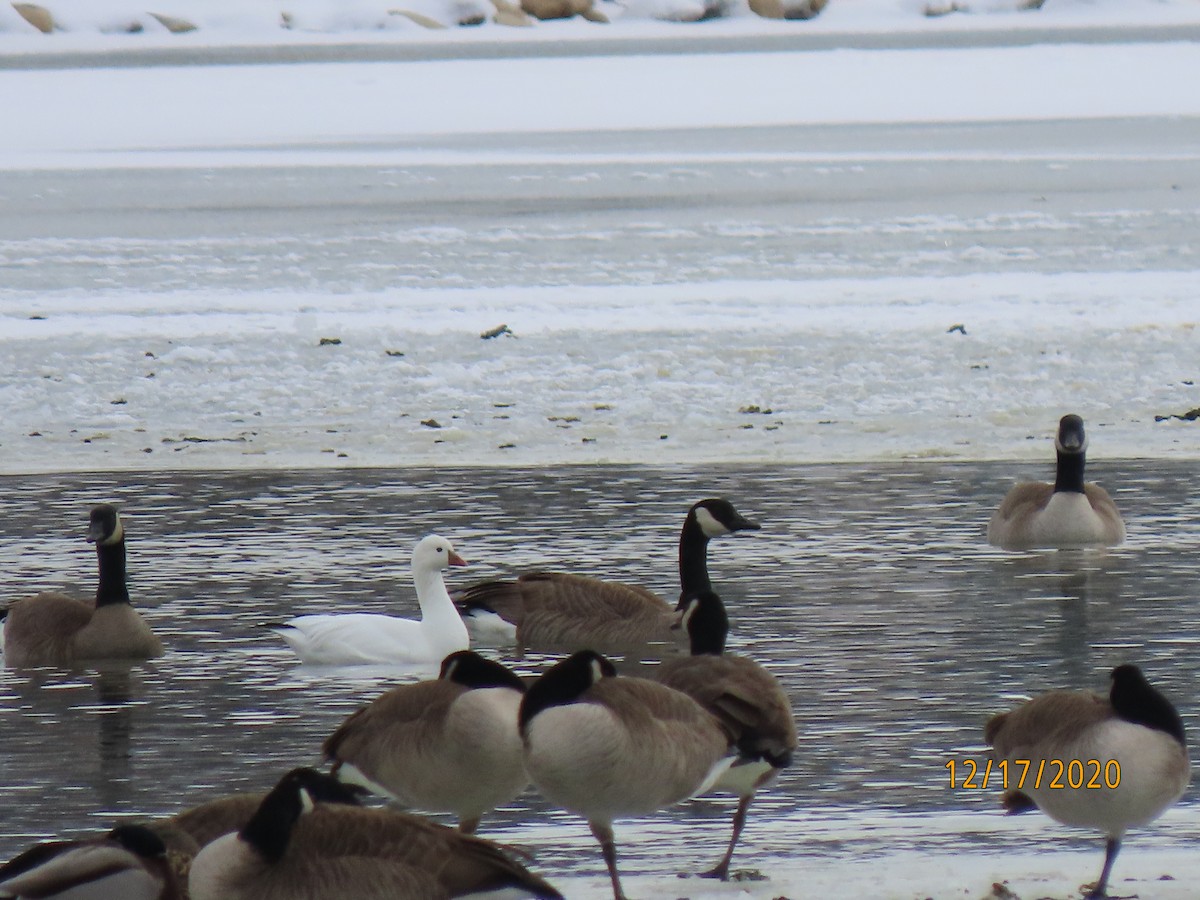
[(706, 623), (434, 554), (139, 840), (564, 682), (468, 668), (295, 794), (104, 526), (717, 516), (1071, 438), (1136, 700)]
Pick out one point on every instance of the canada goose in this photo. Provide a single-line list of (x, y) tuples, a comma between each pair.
[(129, 862), (602, 746), (553, 610), (446, 745), (195, 827), (365, 638), (293, 849), (1127, 751), (747, 699), (52, 629), (1069, 513)]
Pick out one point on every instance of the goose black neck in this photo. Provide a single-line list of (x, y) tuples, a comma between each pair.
[(468, 668), (693, 559), (707, 625), (1135, 700), (112, 588), (270, 828), (1069, 476), (562, 684)]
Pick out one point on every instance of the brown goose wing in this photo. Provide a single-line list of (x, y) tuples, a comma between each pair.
[(1103, 505), (208, 821), (1047, 720), (749, 700), (1019, 505), (394, 715), (573, 612), (40, 630), (577, 595), (461, 863)]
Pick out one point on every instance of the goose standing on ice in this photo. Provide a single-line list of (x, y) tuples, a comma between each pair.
[(1127, 754), (366, 638), (445, 745), (1067, 514), (603, 746), (554, 610), (52, 629), (748, 700), (294, 849)]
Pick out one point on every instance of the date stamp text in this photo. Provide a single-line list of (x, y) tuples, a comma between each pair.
[(1034, 774)]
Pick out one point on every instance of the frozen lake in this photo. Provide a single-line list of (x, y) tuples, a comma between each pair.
[(316, 305), (870, 592)]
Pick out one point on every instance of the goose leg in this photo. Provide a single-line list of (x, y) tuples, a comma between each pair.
[(1100, 888), (721, 869), (604, 834)]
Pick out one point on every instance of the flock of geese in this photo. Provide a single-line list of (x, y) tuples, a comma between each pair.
[(593, 742)]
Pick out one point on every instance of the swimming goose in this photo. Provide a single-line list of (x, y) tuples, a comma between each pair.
[(52, 629), (602, 746), (366, 638), (1069, 513), (293, 849), (747, 699), (1135, 726), (553, 610), (446, 745), (129, 862)]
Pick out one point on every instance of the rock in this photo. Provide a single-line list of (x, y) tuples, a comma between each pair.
[(37, 16), (556, 9), (513, 17), (1190, 416), (788, 9), (420, 18), (934, 10), (174, 24)]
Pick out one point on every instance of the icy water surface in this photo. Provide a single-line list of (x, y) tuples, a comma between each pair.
[(869, 591)]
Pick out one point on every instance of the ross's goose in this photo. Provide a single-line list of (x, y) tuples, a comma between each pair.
[(374, 638)]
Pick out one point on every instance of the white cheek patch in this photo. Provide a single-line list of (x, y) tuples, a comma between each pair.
[(708, 523), (117, 536), (597, 671), (688, 612), (306, 801)]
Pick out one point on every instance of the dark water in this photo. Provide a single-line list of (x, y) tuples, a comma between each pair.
[(870, 592)]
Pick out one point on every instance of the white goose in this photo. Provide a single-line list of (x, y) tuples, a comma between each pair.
[(373, 638)]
